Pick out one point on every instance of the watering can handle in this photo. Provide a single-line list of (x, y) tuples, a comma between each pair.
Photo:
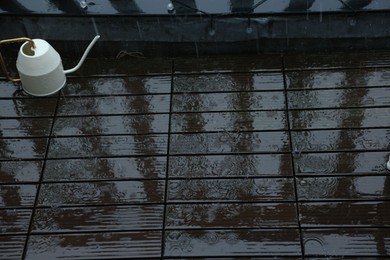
[(2, 63)]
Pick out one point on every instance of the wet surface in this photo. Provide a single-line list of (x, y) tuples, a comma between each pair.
[(223, 158)]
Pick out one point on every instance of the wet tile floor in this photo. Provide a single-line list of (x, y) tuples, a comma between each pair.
[(223, 157)]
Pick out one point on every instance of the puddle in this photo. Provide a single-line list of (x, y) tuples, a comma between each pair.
[(105, 169), (242, 189), (193, 243), (230, 166), (231, 215)]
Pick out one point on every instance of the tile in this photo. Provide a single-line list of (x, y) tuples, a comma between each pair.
[(233, 101), (23, 148), (25, 127), (240, 165), (316, 79), (345, 214), (117, 86), (232, 215), (336, 98), (98, 219), (341, 78), (232, 190), (229, 121), (101, 146), (95, 245), (111, 125), (346, 242), (14, 221), (105, 169), (343, 188), (139, 104), (11, 247), (228, 82), (341, 140), (233, 243), (27, 107), (353, 59), (344, 163), (20, 171), (242, 142), (229, 63), (101, 193), (13, 196), (339, 118), (126, 65)]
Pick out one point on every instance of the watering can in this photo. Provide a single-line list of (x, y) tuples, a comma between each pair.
[(40, 66)]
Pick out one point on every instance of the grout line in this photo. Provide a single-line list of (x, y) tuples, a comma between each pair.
[(40, 178), (167, 164), (292, 158)]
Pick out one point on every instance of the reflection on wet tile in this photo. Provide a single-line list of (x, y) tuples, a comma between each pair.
[(95, 246), (228, 142), (341, 140), (229, 121), (230, 165), (360, 214), (26, 127), (27, 107), (346, 242), (316, 79), (108, 218), (235, 101), (240, 189), (14, 221), (100, 193), (226, 63), (111, 125), (342, 163), (11, 247), (105, 169), (10, 90), (222, 215), (114, 105), (347, 188), (17, 195), (339, 118), (117, 86), (195, 243), (94, 146), (20, 171), (23, 148), (228, 82), (335, 98)]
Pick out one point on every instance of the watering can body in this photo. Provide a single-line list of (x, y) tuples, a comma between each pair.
[(40, 67), (42, 73)]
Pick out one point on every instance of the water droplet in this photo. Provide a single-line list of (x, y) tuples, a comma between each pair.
[(170, 8), (83, 4)]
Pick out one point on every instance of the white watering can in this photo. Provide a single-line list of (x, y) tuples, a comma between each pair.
[(40, 66)]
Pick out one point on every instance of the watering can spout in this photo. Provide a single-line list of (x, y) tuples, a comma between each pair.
[(84, 56)]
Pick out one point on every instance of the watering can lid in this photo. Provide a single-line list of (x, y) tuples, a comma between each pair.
[(41, 48)]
